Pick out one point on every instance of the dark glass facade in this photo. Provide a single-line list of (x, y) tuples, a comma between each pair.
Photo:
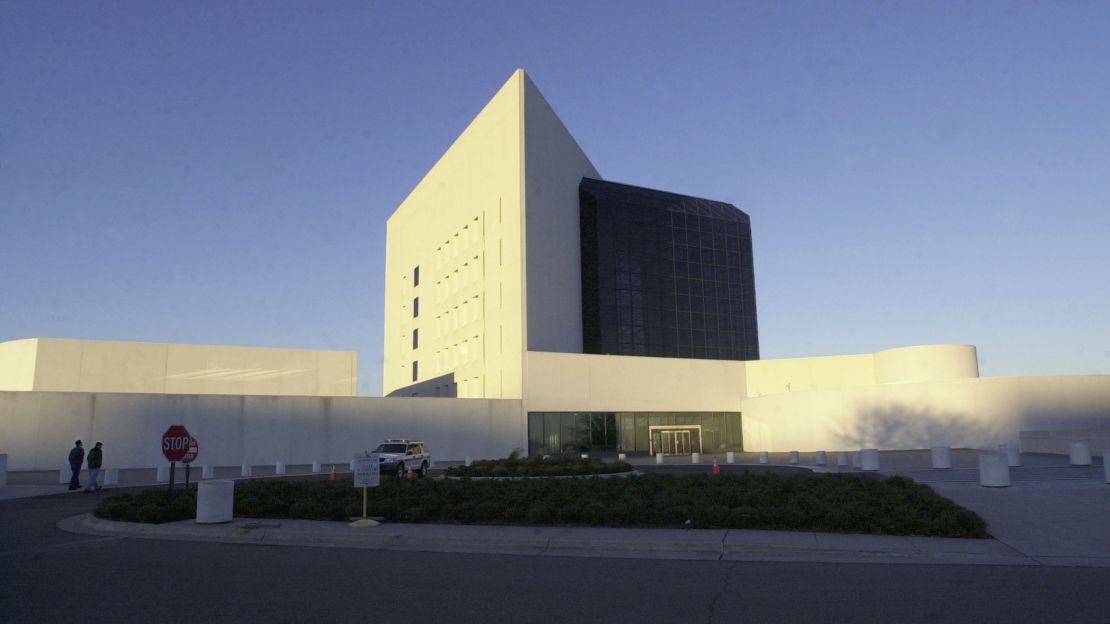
[(665, 275), (671, 433)]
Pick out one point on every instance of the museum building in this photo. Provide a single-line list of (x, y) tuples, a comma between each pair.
[(530, 303)]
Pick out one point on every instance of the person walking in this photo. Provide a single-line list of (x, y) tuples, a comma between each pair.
[(76, 458), (94, 461)]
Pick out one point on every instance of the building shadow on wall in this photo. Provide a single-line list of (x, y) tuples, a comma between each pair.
[(895, 425), (901, 426), (442, 386)]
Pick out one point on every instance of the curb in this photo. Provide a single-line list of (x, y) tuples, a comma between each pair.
[(690, 544)]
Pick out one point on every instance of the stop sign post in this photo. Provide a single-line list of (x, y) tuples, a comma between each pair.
[(190, 457), (175, 446)]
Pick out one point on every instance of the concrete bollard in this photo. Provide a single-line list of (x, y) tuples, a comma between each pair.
[(215, 501), (822, 458), (64, 474), (621, 456), (763, 457), (695, 458), (111, 476), (1079, 454), (794, 458), (1012, 453), (279, 468), (856, 459), (207, 471), (162, 475), (3, 468), (315, 467), (941, 457), (994, 470), (245, 470), (466, 461), (658, 458), (869, 460), (1106, 464), (842, 459), (730, 457)]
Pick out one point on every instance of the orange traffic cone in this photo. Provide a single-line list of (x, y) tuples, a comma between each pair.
[(332, 476), (716, 468), (410, 475)]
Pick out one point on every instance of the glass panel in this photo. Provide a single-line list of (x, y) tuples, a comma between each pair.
[(535, 434)]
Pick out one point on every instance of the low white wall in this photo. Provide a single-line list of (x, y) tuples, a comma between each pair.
[(1060, 441), (37, 429), (976, 413)]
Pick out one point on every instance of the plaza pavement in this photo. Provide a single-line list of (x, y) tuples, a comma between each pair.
[(1053, 515)]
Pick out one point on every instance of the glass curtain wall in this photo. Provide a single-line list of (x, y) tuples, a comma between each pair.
[(665, 275), (630, 432)]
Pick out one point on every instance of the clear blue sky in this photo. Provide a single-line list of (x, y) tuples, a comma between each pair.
[(221, 172)]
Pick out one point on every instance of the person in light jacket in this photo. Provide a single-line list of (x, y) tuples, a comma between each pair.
[(76, 458), (94, 461)]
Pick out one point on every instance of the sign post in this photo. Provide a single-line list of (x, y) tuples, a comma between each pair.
[(175, 445), (367, 474), (190, 457)]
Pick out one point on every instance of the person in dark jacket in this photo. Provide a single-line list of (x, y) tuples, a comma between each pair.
[(76, 458), (94, 461)]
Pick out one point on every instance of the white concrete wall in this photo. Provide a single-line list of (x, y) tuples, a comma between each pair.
[(17, 364), (110, 366), (554, 165), (1060, 441), (978, 413), (463, 226), (802, 374), (926, 363), (566, 382), (37, 429)]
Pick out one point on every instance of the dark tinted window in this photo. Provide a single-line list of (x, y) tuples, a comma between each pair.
[(665, 275)]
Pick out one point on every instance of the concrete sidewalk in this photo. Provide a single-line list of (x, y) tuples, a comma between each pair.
[(726, 545)]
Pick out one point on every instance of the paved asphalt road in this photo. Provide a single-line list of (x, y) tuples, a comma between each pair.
[(48, 575)]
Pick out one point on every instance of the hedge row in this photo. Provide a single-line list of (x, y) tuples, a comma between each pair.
[(538, 466), (835, 503)]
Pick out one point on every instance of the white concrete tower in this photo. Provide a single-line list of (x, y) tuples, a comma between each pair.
[(482, 257)]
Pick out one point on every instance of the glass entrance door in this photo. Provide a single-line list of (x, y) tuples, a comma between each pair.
[(676, 440)]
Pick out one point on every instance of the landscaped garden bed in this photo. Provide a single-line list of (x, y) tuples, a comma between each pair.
[(834, 503), (538, 466)]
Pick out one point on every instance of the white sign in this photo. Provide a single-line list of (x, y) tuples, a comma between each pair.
[(368, 472)]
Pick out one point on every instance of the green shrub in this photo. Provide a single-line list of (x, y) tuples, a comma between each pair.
[(488, 510), (568, 514), (514, 515), (539, 514), (151, 513), (537, 465), (115, 510), (595, 514), (847, 503)]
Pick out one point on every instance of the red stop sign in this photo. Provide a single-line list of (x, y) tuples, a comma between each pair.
[(175, 443)]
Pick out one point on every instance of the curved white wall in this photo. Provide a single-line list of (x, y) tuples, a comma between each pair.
[(926, 363), (974, 413)]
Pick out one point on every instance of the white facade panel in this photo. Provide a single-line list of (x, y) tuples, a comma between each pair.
[(554, 165)]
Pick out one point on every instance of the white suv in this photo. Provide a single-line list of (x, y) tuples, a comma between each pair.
[(398, 456)]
